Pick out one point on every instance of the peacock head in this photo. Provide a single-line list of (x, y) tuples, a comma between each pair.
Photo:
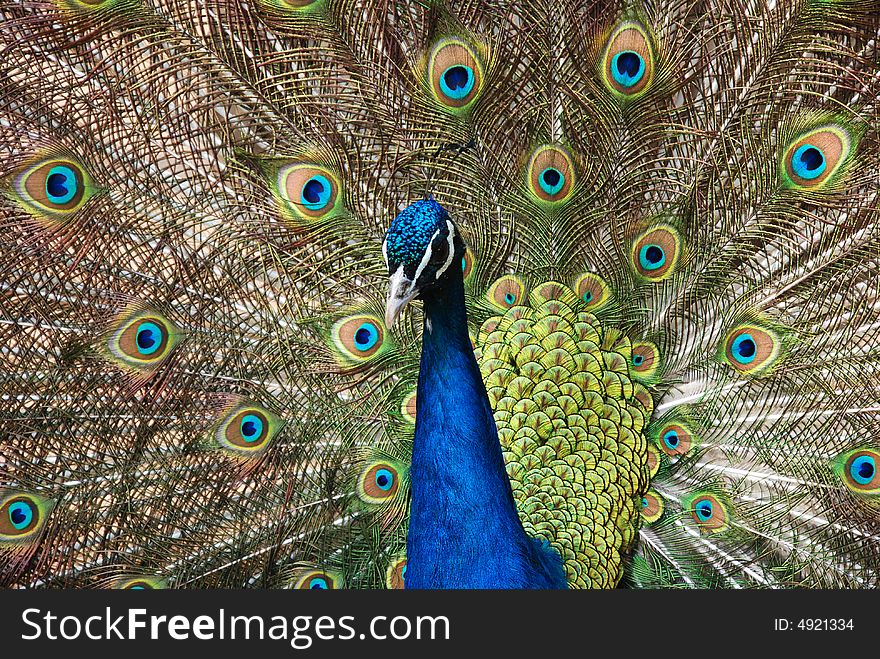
[(420, 247)]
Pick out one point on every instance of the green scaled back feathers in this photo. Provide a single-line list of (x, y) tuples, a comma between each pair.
[(672, 282)]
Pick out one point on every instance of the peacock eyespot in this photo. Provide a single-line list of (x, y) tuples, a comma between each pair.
[(467, 265), (812, 159), (550, 174), (384, 479), (708, 512), (506, 292), (246, 430), (645, 360), (743, 349), (310, 191), (629, 60), (653, 461), (139, 583), (656, 253), (21, 515), (651, 507), (455, 73), (54, 188), (592, 290), (457, 81), (378, 483), (675, 440), (859, 471), (395, 576), (358, 338), (318, 580), (627, 68), (408, 407), (652, 256), (143, 341), (751, 349), (149, 338)]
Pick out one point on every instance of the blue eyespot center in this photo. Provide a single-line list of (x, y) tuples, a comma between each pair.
[(863, 469), (149, 338), (403, 572), (638, 360), (551, 181), (251, 427), (510, 298), (316, 192), (366, 336), (21, 515), (318, 583), (61, 185), (463, 264), (652, 257), (588, 296), (704, 510), (808, 162), (744, 349), (384, 479), (627, 68), (644, 502), (671, 439), (457, 81)]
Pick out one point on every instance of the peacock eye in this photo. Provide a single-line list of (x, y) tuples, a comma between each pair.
[(311, 192), (245, 431), (143, 341), (384, 479), (858, 470), (506, 292), (20, 516), (751, 349), (627, 68), (396, 574), (454, 73), (656, 252), (378, 483), (744, 348), (457, 81), (708, 512), (629, 60), (54, 188), (358, 338), (550, 174), (592, 290), (812, 160), (318, 580), (139, 583), (675, 439), (651, 506), (440, 252)]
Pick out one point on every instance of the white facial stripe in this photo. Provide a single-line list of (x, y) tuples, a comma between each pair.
[(450, 238), (426, 258), (385, 252), (396, 285)]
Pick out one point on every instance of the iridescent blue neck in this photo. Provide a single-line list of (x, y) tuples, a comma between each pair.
[(464, 531)]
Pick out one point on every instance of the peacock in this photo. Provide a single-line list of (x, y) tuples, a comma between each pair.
[(333, 294)]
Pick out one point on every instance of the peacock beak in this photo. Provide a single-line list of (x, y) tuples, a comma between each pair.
[(400, 291)]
